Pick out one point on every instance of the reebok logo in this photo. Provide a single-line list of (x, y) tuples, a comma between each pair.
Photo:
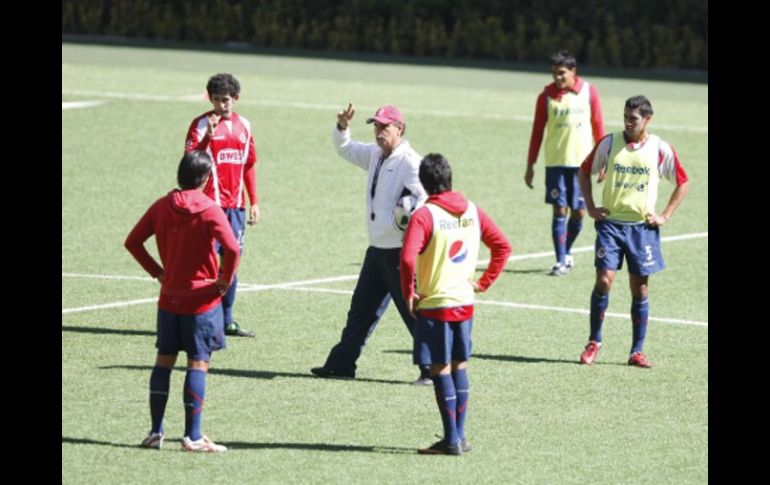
[(630, 170)]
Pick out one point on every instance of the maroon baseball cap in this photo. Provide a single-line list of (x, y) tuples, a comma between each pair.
[(387, 115)]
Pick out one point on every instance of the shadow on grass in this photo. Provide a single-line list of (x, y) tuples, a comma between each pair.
[(504, 358), (236, 445), (114, 331), (241, 445), (527, 271), (86, 441), (259, 374), (524, 360)]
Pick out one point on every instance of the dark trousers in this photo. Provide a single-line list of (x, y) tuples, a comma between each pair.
[(378, 283)]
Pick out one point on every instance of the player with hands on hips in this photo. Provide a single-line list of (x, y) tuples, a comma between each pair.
[(627, 224)]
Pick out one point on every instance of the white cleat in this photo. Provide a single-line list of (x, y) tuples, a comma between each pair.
[(204, 444)]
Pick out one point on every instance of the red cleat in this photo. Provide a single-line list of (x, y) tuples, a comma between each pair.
[(589, 354), (640, 360)]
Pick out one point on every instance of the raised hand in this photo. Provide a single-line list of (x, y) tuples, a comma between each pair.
[(345, 115), (213, 123)]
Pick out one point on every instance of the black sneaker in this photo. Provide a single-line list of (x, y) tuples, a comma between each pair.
[(330, 374), (235, 330), (441, 448)]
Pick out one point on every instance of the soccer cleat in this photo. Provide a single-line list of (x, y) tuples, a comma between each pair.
[(559, 269), (330, 374), (465, 445), (638, 359), (589, 354), (423, 381), (569, 263), (153, 440), (235, 330), (442, 448), (202, 445)]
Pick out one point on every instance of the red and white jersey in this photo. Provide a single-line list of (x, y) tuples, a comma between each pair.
[(232, 149)]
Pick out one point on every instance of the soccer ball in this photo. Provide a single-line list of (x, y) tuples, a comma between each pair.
[(403, 211)]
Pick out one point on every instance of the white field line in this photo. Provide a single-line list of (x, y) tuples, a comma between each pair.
[(302, 286), (585, 312), (587, 249), (333, 279), (117, 304), (245, 288), (332, 107), (349, 292), (80, 104), (526, 306), (108, 277)]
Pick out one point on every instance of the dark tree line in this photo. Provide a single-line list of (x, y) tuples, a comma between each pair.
[(618, 33)]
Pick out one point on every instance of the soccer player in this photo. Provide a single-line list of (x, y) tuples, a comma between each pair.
[(627, 224), (569, 108), (186, 224), (228, 138), (391, 164), (441, 246)]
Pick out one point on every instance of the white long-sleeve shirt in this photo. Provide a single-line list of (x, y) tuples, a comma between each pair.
[(398, 171)]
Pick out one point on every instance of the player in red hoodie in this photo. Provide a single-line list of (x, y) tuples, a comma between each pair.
[(441, 247), (186, 224)]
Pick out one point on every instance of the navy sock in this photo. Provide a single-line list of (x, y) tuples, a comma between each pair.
[(599, 305), (228, 300), (573, 229), (462, 387), (640, 312), (160, 379), (559, 235), (194, 393), (446, 398)]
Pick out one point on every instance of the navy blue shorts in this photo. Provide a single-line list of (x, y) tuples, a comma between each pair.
[(439, 342), (198, 335), (562, 188), (237, 219), (639, 243)]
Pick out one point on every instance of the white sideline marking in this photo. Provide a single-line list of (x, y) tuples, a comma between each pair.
[(526, 306), (585, 312), (109, 305), (80, 104), (587, 249), (333, 279), (246, 288), (301, 286), (108, 277), (330, 107)]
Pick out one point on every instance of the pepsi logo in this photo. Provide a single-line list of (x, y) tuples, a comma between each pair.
[(457, 252)]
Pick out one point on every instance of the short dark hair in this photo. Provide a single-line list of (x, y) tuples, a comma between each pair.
[(641, 103), (223, 83), (194, 167), (435, 174), (564, 58)]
